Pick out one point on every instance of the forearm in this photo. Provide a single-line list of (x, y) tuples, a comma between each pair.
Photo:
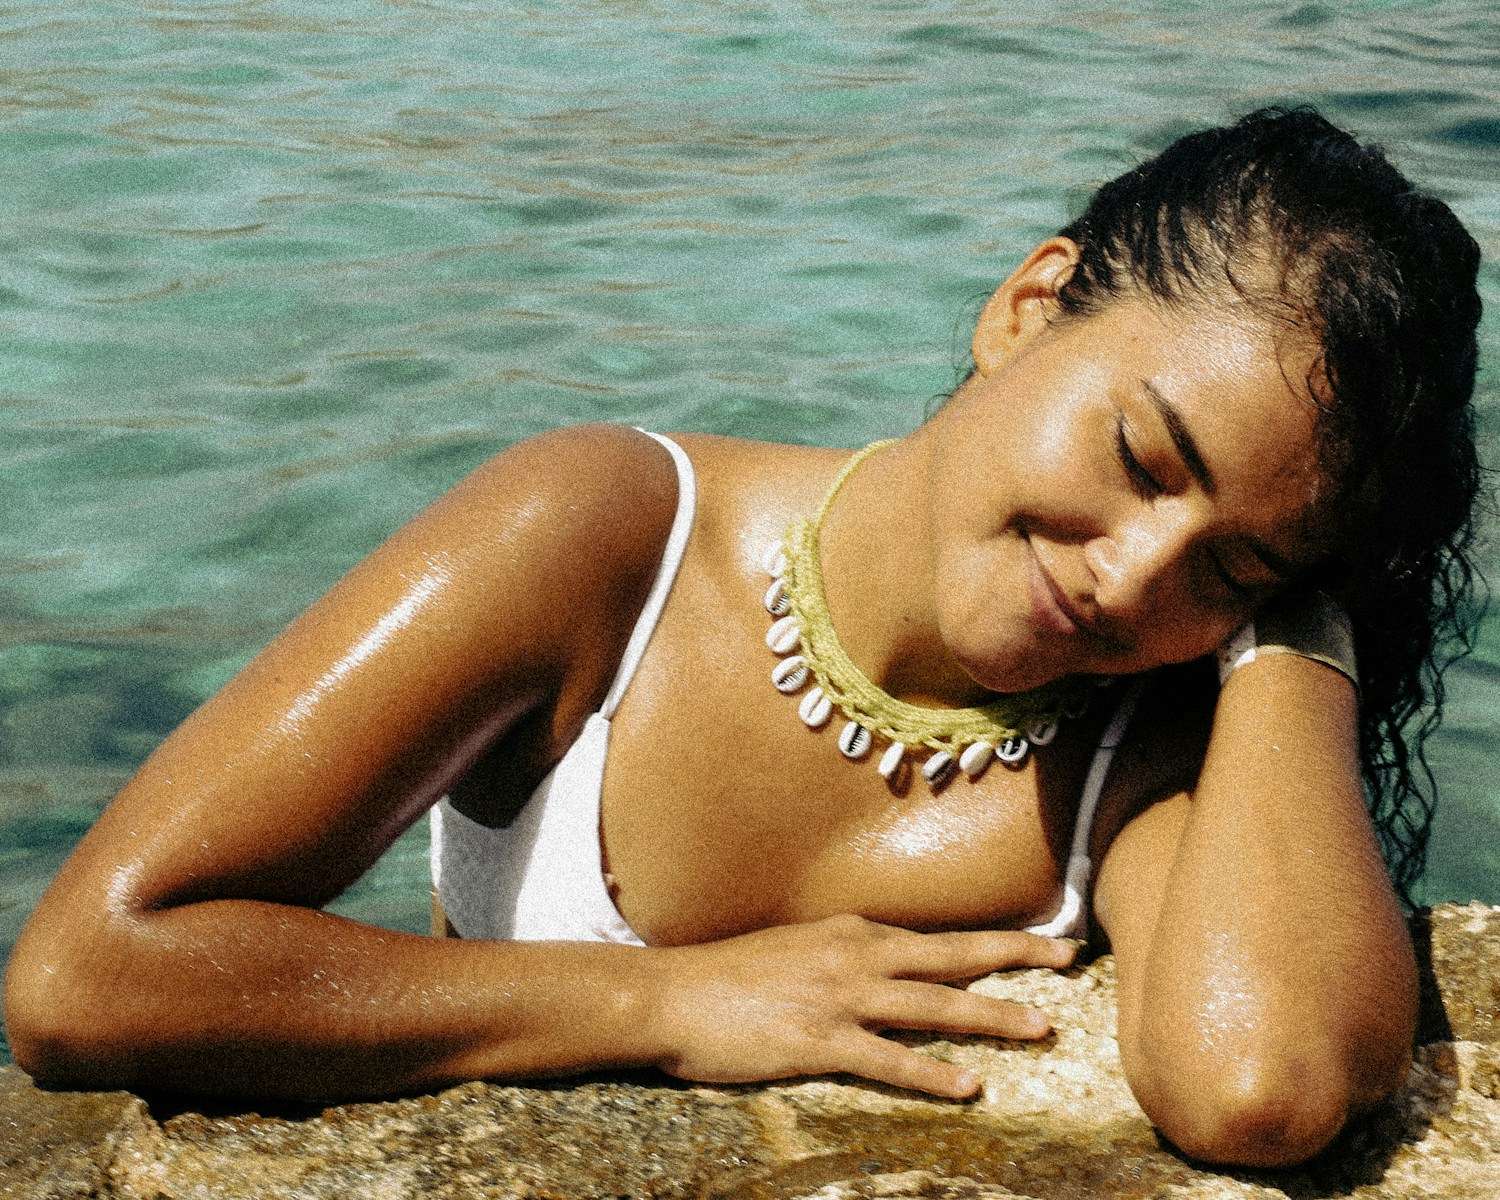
[(1280, 964), (265, 999), (251, 998)]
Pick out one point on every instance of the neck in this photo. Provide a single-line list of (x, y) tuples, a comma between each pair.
[(878, 576)]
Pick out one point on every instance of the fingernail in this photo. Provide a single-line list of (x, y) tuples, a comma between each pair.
[(967, 1081)]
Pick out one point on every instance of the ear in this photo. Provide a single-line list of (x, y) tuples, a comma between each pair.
[(1021, 305)]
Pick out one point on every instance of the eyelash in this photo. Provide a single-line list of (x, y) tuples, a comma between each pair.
[(1149, 487), (1145, 483), (1236, 589)]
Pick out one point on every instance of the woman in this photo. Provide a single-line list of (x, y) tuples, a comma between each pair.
[(1242, 375)]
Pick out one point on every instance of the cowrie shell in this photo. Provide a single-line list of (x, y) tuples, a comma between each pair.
[(773, 561), (789, 674), (1012, 750), (777, 602), (815, 709), (854, 740), (1041, 733), (975, 758), (784, 635), (890, 761), (938, 767)]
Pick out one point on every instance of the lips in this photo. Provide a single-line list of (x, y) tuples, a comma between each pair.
[(1050, 607)]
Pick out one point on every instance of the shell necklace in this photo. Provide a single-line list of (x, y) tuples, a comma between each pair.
[(803, 633)]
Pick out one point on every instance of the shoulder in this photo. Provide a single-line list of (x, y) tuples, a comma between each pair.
[(588, 507), (499, 591), (568, 479), (577, 519)]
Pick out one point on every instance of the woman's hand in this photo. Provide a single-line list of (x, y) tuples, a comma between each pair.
[(805, 1000)]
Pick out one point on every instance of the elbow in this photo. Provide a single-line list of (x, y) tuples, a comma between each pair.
[(1260, 1131), (1258, 1116), (58, 1035), (37, 1023), (48, 1053)]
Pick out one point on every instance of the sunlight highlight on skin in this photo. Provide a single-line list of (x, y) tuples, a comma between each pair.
[(123, 887), (400, 616), (1228, 1016), (912, 837)]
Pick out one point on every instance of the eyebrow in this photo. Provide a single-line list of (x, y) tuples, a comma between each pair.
[(1182, 438)]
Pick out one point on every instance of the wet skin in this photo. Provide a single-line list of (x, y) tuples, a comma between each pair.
[(1013, 539), (1058, 516)]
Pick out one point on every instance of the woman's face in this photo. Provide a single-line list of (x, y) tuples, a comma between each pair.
[(1120, 491)]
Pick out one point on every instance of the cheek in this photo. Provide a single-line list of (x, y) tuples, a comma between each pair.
[(1068, 471), (1056, 444), (976, 602), (968, 580)]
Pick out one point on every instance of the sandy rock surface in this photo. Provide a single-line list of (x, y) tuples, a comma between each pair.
[(1055, 1122)]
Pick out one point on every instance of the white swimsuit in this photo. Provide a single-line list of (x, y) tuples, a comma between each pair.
[(541, 877)]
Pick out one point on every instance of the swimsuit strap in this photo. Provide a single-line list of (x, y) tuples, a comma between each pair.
[(671, 559), (1070, 914)]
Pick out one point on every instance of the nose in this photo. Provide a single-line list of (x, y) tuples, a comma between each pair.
[(1140, 567)]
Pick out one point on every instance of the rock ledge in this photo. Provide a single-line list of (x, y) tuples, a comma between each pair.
[(1055, 1122)]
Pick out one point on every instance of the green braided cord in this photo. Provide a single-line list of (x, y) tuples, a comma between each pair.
[(850, 690)]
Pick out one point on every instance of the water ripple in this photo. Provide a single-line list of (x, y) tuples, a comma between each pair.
[(275, 275)]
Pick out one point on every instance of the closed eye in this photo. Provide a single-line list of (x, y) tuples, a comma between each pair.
[(1236, 587), (1144, 483)]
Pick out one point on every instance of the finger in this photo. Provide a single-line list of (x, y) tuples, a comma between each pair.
[(872, 1057), (939, 957), (899, 1004)]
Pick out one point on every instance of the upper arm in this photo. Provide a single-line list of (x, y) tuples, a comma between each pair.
[(292, 780), (1129, 890), (1143, 812)]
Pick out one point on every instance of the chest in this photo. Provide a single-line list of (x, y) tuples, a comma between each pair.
[(723, 812)]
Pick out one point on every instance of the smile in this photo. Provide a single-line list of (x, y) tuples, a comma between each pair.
[(1049, 608)]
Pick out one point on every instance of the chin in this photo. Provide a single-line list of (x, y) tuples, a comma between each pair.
[(991, 639), (1009, 675)]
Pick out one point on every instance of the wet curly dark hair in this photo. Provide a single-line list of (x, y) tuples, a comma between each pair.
[(1321, 233)]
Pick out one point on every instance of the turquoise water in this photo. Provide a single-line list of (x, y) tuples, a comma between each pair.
[(274, 275)]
